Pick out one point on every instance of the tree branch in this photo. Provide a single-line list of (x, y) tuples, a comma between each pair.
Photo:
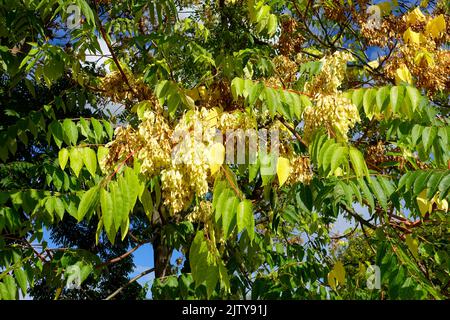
[(117, 259), (108, 44), (112, 295)]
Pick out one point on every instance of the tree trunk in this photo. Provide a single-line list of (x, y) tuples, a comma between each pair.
[(161, 255)]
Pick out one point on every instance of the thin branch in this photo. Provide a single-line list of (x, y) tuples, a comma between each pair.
[(359, 218), (294, 132), (117, 259), (112, 295), (108, 44), (230, 181)]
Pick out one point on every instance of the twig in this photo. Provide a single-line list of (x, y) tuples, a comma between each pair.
[(117, 259), (108, 44), (230, 181), (112, 295), (290, 128)]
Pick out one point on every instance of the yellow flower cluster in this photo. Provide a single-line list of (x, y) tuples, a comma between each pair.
[(189, 162), (235, 120), (300, 170), (115, 88), (154, 136), (125, 144), (331, 109), (331, 75), (334, 112), (201, 213)]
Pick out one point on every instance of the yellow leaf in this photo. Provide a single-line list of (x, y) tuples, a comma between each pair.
[(216, 157), (413, 245), (442, 204), (424, 54), (332, 280), (339, 271), (338, 172), (193, 93), (374, 64), (385, 7), (202, 91), (412, 37), (424, 204), (283, 170), (361, 269), (402, 74), (212, 119), (436, 26), (424, 3), (414, 16)]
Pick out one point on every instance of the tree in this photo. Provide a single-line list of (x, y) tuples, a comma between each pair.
[(32, 159), (246, 129)]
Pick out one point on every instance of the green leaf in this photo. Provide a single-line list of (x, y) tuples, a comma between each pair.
[(253, 170), (272, 101), (98, 130), (219, 187), (203, 264), (85, 128), (369, 102), (102, 153), (147, 203), (88, 202), (323, 150), (245, 219), (420, 182), (59, 208), (413, 245), (397, 95), (8, 288), (70, 132), (50, 205), (63, 156), (76, 160), (382, 98), (357, 97), (21, 278), (228, 214), (108, 128), (339, 155), (444, 186), (133, 186), (118, 204), (414, 97), (254, 93), (358, 162), (237, 87), (327, 156), (416, 133), (366, 192), (433, 183), (106, 204), (89, 160), (428, 136), (57, 132), (379, 193)]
